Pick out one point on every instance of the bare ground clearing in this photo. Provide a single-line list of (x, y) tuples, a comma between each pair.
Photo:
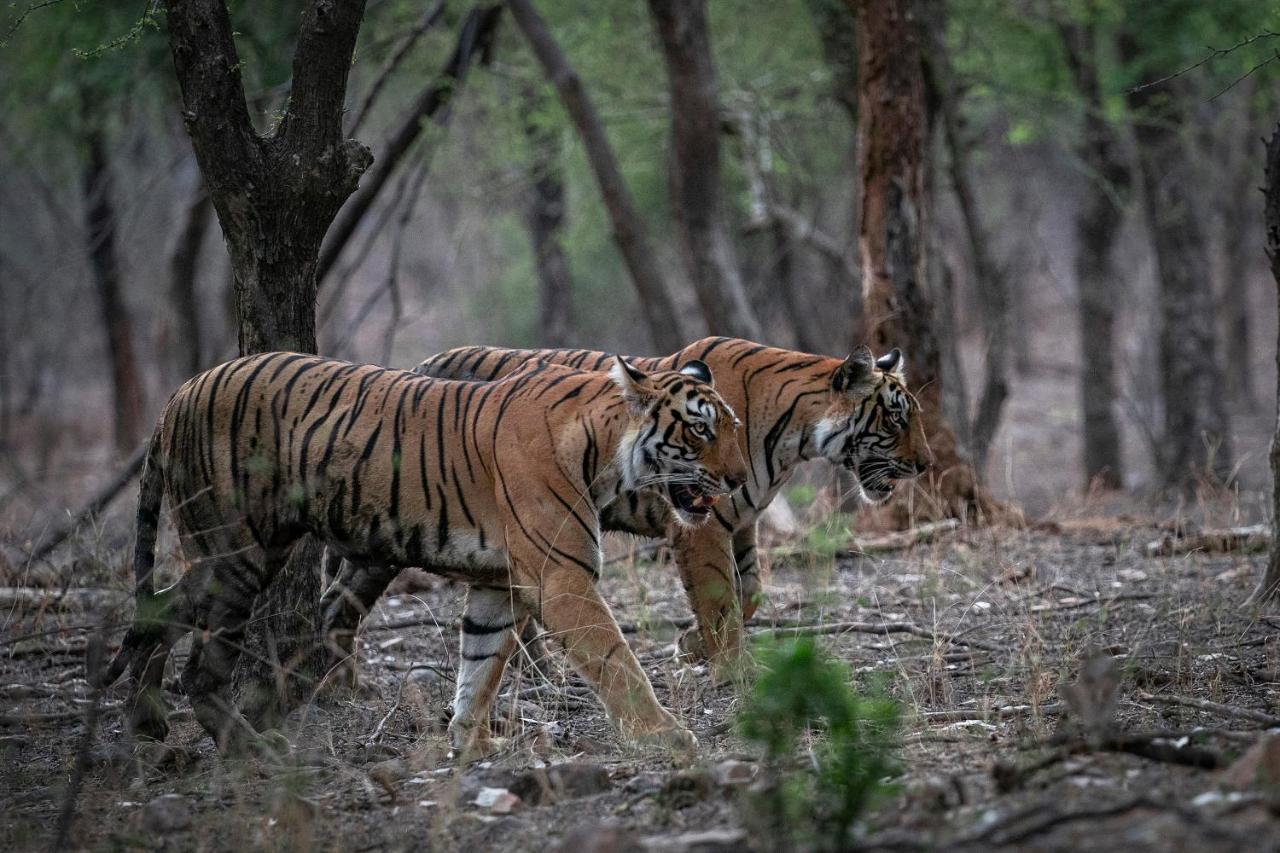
[(1012, 613)]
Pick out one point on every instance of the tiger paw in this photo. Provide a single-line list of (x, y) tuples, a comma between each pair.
[(677, 740), (691, 645), (149, 717)]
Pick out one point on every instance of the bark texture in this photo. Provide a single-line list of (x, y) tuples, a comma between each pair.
[(544, 216), (100, 231), (1196, 437), (892, 135), (1269, 589), (694, 175), (1097, 227), (629, 230), (275, 197)]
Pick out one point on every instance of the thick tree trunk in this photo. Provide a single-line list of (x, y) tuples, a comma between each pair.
[(1269, 589), (184, 264), (475, 39), (1097, 226), (100, 231), (275, 197), (545, 215), (629, 230), (1196, 439), (892, 134), (694, 176)]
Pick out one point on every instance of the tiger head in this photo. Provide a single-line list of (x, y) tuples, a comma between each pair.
[(873, 425), (683, 438)]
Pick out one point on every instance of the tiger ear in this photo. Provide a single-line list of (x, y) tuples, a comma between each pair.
[(855, 372), (891, 362), (633, 382), (699, 371)]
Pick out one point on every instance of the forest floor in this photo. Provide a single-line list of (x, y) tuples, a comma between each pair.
[(1001, 619)]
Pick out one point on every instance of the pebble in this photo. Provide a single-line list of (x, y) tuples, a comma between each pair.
[(166, 814)]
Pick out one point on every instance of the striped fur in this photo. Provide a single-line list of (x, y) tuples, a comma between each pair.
[(498, 485), (855, 412)]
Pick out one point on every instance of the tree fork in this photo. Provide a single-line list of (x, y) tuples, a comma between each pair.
[(275, 197)]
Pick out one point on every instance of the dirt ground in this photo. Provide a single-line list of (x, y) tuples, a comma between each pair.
[(1002, 619)]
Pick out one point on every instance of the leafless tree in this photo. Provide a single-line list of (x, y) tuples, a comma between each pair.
[(629, 231), (475, 40), (100, 232), (694, 175), (990, 275), (1196, 438), (544, 216), (184, 266), (275, 196), (1097, 227)]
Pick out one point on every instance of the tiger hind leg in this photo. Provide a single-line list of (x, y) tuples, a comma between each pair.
[(491, 626), (355, 588), (169, 617), (228, 599)]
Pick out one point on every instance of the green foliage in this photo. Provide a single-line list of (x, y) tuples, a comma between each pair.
[(803, 691)]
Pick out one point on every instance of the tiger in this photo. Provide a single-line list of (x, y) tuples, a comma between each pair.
[(499, 485), (855, 412)]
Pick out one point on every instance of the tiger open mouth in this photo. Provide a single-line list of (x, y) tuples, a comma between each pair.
[(875, 478), (691, 499)]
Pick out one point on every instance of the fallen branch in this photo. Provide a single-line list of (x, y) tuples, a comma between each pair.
[(94, 505), (1253, 539), (890, 542), (1007, 712), (1164, 747), (879, 628), (37, 719), (1213, 707), (34, 598)]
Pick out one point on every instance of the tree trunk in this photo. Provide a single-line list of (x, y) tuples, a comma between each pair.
[(184, 264), (892, 135), (1239, 212), (545, 218), (839, 37), (1196, 439), (275, 197), (629, 230), (475, 39), (100, 231), (1097, 226), (694, 176), (1269, 589)]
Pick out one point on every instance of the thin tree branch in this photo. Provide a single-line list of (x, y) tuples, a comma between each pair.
[(428, 20)]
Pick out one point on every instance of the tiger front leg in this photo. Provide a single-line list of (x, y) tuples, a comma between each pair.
[(571, 609), (704, 556)]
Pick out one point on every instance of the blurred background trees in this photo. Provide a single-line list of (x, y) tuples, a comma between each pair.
[(633, 175)]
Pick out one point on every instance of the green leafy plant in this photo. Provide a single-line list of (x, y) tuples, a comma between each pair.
[(803, 700)]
